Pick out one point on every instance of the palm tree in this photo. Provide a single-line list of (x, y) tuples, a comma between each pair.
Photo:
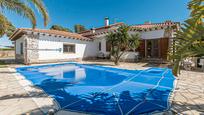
[(189, 41), (197, 12), (121, 41), (20, 7)]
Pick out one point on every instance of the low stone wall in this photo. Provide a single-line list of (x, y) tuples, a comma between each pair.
[(8, 53)]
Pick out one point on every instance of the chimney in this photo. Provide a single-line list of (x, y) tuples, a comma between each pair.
[(93, 30), (106, 21), (147, 22)]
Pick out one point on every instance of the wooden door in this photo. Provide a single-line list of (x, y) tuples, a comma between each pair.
[(141, 48), (164, 45)]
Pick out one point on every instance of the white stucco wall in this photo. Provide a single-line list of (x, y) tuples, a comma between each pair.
[(102, 40), (49, 48)]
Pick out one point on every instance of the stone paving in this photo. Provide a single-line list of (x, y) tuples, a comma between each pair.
[(187, 99), (13, 98)]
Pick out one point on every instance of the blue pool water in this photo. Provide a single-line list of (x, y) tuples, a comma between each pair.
[(103, 90)]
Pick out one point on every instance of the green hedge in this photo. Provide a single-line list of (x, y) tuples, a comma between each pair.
[(6, 49)]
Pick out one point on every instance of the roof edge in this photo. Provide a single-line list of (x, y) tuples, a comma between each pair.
[(102, 27), (47, 31)]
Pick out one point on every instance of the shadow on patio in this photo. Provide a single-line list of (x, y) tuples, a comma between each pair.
[(186, 108)]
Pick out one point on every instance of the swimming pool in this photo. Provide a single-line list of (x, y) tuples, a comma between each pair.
[(103, 90)]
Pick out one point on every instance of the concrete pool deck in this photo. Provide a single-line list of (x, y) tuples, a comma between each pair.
[(18, 97)]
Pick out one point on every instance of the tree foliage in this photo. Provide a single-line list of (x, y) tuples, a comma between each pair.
[(60, 28), (6, 27), (121, 41), (21, 8), (189, 40), (79, 28), (197, 12)]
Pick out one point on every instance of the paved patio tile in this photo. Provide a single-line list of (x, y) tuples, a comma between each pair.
[(13, 98), (188, 98)]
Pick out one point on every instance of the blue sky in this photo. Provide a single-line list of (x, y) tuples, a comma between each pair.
[(91, 13)]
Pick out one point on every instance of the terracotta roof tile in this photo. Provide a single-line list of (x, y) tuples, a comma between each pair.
[(100, 30), (153, 25), (139, 27), (21, 31), (89, 34)]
